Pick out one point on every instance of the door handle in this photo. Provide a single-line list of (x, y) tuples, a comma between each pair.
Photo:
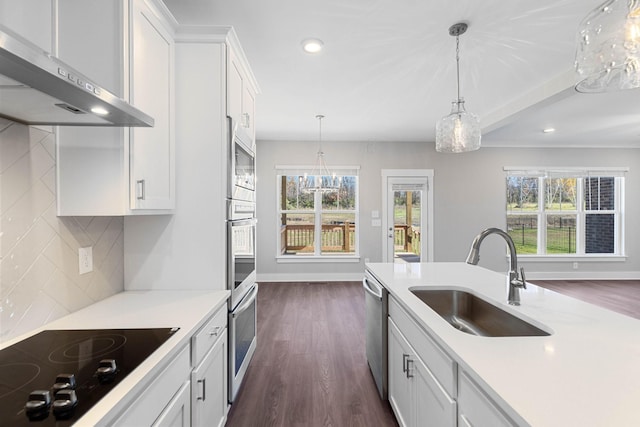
[(204, 389), (409, 374), (405, 365), (141, 186)]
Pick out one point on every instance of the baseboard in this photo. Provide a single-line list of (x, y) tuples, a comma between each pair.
[(583, 275), (531, 275), (310, 277)]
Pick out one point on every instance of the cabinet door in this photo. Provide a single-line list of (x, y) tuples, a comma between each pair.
[(248, 111), (152, 159), (234, 88), (399, 385), (178, 411), (30, 19), (475, 408), (433, 406), (209, 387)]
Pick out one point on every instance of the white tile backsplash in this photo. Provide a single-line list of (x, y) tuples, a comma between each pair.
[(39, 280)]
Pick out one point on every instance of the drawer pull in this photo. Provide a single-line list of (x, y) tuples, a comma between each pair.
[(215, 332), (405, 366)]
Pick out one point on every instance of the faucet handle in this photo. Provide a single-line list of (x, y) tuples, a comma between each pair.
[(522, 278)]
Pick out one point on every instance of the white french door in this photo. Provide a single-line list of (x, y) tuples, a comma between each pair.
[(407, 221)]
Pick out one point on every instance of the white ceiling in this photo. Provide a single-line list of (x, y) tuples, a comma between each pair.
[(387, 72)]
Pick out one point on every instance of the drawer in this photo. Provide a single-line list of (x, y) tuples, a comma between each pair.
[(153, 400), (207, 335), (443, 367)]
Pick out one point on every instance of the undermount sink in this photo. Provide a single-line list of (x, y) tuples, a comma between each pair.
[(473, 315)]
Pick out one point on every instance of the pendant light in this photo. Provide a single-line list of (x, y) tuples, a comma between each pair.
[(608, 52), (458, 132), (320, 179)]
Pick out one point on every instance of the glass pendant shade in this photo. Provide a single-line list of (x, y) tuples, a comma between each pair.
[(320, 179), (458, 132), (608, 52)]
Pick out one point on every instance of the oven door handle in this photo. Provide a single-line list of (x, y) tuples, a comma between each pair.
[(367, 287), (247, 301)]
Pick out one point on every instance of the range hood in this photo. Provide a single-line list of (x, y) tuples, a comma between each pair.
[(39, 89)]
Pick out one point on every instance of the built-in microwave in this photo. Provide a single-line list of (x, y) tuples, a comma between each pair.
[(242, 176)]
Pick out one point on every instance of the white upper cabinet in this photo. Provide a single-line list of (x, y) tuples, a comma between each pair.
[(31, 19), (241, 93), (127, 47), (152, 184)]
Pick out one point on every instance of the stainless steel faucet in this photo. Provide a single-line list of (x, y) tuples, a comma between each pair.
[(516, 281)]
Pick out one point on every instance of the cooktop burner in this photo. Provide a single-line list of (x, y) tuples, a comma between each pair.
[(55, 376)]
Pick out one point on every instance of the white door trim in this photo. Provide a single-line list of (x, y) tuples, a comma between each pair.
[(408, 173)]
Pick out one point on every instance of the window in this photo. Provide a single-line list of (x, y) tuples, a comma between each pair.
[(317, 224), (565, 212)]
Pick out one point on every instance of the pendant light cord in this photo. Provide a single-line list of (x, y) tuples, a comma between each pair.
[(320, 117), (458, 66)]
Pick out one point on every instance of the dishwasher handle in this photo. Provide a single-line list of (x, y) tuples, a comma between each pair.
[(368, 289)]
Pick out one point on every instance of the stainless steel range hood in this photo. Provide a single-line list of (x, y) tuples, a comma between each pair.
[(38, 89)]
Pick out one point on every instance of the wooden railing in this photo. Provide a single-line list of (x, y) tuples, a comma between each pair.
[(341, 238), (335, 238), (406, 238)]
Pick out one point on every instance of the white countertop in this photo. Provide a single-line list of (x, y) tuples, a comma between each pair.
[(187, 310), (586, 373)]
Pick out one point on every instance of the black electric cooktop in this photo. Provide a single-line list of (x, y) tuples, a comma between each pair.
[(54, 377)]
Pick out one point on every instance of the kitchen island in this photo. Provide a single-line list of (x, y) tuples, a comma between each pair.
[(586, 372), (190, 311)]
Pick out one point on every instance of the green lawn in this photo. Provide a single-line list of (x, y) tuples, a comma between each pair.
[(559, 240)]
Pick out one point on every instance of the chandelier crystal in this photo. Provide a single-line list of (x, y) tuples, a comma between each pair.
[(320, 179), (608, 52), (458, 132)]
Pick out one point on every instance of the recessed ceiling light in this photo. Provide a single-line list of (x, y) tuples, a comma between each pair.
[(312, 45), (548, 130)]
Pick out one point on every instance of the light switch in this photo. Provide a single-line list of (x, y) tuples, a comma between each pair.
[(376, 223), (375, 214)]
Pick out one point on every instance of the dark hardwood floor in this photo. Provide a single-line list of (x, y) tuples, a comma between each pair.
[(622, 296), (310, 367)]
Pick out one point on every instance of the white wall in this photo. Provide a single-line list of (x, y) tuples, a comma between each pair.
[(186, 250), (39, 279), (469, 196)]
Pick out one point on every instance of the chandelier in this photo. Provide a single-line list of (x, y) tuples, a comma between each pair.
[(320, 179), (608, 52), (458, 132)]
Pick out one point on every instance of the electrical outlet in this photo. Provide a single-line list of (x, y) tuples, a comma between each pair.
[(85, 260), (575, 265)]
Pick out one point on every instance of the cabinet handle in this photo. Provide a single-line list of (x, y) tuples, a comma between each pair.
[(141, 194), (405, 365), (204, 389), (214, 332), (409, 374)]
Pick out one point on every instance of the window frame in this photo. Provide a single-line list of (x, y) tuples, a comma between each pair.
[(581, 212), (317, 212)]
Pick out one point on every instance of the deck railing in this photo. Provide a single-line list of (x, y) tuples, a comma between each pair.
[(340, 238)]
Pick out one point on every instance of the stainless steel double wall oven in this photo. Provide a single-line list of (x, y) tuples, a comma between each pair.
[(241, 255)]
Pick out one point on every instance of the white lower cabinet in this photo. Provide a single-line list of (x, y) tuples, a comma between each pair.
[(209, 386), (209, 359), (415, 394), (178, 411), (475, 408), (159, 396), (427, 387)]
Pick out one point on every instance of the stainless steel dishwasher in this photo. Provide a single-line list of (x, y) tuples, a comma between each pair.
[(376, 312)]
